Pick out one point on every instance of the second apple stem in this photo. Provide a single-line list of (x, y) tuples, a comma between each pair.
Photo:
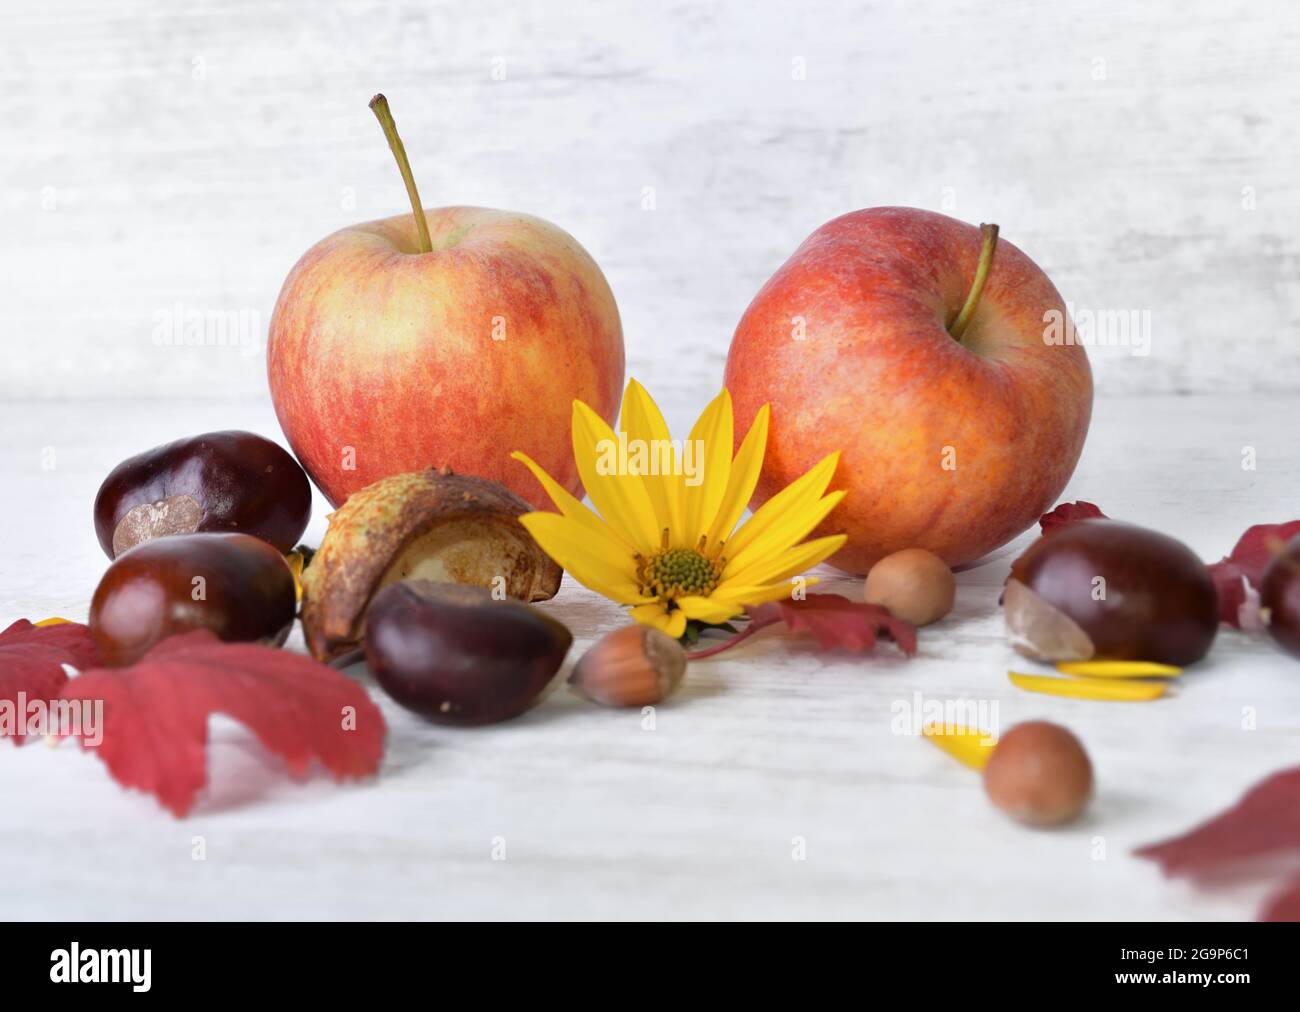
[(989, 233), (379, 105)]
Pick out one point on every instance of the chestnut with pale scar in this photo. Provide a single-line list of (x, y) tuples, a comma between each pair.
[(223, 482)]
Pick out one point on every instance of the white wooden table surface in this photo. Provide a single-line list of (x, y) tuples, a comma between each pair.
[(701, 817)]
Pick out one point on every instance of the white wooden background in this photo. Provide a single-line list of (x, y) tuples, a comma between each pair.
[(187, 153)]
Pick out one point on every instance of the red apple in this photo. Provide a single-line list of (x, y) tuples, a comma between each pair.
[(451, 339), (938, 360)]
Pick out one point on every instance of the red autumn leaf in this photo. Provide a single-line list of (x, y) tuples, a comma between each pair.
[(32, 659), (1283, 905), (1265, 821), (1237, 575), (1069, 513), (834, 622), (155, 717)]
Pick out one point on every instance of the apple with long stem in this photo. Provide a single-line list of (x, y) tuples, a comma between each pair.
[(444, 337), (938, 360)]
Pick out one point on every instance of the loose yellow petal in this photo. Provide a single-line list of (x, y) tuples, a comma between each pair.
[(641, 419), (605, 540), (1106, 689), (968, 745), (619, 497), (800, 494), (51, 621), (784, 533), (704, 609), (1118, 669), (569, 544), (745, 470), (789, 563), (711, 443)]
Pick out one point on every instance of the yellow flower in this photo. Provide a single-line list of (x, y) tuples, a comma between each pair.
[(664, 540)]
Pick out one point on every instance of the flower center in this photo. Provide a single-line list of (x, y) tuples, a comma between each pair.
[(678, 572)]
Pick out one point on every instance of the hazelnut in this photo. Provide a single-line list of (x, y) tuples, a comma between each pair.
[(633, 666), (915, 585), (1039, 774)]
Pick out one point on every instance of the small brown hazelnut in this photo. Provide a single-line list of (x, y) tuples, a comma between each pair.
[(915, 585), (633, 666), (1039, 774)]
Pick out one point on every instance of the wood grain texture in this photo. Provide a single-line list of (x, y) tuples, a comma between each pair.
[(186, 154), (762, 748)]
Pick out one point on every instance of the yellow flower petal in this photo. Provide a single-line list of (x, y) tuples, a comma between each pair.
[(789, 563), (605, 539), (745, 470), (676, 624), (620, 498), (704, 609), (784, 532), (751, 595), (713, 435), (569, 544), (1106, 689), (968, 745), (641, 419), (801, 494)]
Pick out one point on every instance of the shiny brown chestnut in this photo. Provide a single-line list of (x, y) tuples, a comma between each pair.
[(456, 655), (220, 481), (234, 584), (1279, 597), (1111, 591)]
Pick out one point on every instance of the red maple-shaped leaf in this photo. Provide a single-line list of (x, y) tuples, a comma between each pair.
[(1069, 513), (1265, 821), (1283, 905), (1237, 575), (834, 621), (32, 659), (155, 715)]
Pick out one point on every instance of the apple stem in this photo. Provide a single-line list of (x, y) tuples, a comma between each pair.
[(379, 105), (989, 233)]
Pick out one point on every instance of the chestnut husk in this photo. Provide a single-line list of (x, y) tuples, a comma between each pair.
[(1159, 601), (224, 482), (456, 655), (390, 530), (150, 593)]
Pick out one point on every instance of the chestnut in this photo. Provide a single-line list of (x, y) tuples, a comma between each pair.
[(234, 584), (1106, 590), (1279, 597), (220, 481), (455, 654), (1039, 774)]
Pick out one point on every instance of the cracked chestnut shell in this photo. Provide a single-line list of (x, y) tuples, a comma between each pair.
[(224, 482), (456, 655), (234, 584), (430, 525), (1279, 597), (1109, 590)]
